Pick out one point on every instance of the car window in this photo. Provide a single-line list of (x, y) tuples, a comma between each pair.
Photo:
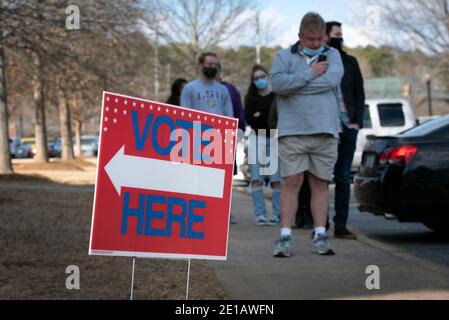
[(367, 118), (429, 127), (391, 114), (88, 141)]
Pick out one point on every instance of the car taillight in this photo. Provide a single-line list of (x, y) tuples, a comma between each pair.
[(400, 155), (384, 156)]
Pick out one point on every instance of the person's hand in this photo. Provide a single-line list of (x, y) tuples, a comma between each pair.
[(320, 68), (354, 126)]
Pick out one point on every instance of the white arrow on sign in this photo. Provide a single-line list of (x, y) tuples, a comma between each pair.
[(154, 174)]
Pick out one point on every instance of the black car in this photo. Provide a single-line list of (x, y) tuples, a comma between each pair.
[(407, 175)]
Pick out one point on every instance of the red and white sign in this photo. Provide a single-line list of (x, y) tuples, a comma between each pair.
[(164, 181)]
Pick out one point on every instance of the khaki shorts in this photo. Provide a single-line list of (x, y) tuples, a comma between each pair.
[(316, 154)]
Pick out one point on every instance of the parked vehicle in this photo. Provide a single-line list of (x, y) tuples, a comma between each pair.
[(424, 119), (53, 150), (89, 146), (383, 117), (14, 144), (407, 175), (25, 149), (28, 148)]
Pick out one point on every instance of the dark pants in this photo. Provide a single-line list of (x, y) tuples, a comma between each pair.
[(304, 218), (346, 149), (304, 213)]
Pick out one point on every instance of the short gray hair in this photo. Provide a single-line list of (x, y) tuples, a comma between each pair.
[(312, 21)]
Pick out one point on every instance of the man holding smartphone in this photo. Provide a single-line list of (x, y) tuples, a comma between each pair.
[(308, 127)]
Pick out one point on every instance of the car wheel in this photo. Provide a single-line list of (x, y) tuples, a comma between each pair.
[(442, 227)]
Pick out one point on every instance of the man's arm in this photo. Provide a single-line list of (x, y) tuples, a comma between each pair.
[(329, 80), (238, 107), (186, 97), (285, 83), (228, 109), (359, 94)]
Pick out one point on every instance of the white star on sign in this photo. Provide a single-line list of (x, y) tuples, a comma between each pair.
[(107, 99), (106, 119), (107, 109), (166, 110), (126, 102), (219, 121), (158, 108), (142, 105), (115, 120), (182, 114), (115, 110), (134, 104), (190, 115), (174, 111), (105, 129), (151, 107), (124, 112), (205, 118), (116, 100), (213, 120)]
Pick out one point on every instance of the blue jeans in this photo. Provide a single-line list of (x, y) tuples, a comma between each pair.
[(257, 193), (342, 172)]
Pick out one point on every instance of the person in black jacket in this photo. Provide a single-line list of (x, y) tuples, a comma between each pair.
[(258, 103), (176, 89), (351, 117)]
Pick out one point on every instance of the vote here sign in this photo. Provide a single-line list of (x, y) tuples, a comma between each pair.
[(164, 181)]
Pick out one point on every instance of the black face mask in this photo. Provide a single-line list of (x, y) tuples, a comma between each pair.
[(336, 43), (210, 72)]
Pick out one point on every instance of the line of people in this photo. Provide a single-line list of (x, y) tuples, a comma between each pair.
[(316, 102)]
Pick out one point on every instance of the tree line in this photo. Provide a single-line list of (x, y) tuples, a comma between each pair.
[(120, 46), (139, 47)]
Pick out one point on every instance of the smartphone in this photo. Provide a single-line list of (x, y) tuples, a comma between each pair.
[(322, 58)]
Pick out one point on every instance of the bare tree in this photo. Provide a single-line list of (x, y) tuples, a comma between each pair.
[(192, 26), (419, 21), (5, 160), (65, 123), (416, 24), (36, 28)]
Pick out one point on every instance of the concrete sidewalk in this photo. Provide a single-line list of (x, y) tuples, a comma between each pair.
[(251, 272)]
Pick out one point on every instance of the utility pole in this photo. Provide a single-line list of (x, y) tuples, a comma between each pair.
[(258, 60), (156, 66), (168, 79), (429, 92)]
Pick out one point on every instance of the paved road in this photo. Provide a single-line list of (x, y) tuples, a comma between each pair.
[(252, 273), (412, 237)]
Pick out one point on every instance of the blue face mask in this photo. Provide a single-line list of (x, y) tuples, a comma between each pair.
[(313, 53), (261, 83)]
